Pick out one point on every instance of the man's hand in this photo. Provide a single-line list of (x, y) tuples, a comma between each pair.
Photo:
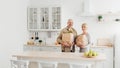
[(65, 44), (71, 43)]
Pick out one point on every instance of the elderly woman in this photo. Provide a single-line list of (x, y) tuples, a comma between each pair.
[(83, 40)]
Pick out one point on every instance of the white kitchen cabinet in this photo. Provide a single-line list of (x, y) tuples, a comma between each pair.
[(109, 54), (42, 48), (43, 22), (44, 18)]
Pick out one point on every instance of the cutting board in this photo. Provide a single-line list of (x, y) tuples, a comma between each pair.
[(104, 42)]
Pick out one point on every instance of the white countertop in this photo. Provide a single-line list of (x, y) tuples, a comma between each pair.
[(101, 47), (57, 56), (44, 45), (60, 46)]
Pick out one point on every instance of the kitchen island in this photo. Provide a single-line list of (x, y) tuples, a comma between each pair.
[(59, 57)]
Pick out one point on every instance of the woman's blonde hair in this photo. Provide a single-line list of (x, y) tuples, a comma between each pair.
[(85, 25)]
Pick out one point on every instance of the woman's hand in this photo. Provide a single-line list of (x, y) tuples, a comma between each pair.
[(82, 46)]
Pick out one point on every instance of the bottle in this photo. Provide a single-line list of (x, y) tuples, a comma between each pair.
[(36, 38)]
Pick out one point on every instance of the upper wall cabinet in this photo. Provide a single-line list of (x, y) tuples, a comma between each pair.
[(82, 8), (44, 18)]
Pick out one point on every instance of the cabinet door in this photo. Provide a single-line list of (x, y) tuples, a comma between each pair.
[(36, 48), (55, 49), (109, 61), (51, 48), (27, 48), (32, 18), (42, 48), (109, 55), (99, 50), (44, 18), (56, 17)]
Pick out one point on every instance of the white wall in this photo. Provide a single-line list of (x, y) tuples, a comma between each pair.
[(101, 6), (44, 2), (13, 32)]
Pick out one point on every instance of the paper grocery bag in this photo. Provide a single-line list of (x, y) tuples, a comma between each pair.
[(81, 40), (68, 37)]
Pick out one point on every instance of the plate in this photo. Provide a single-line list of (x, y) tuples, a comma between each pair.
[(90, 56)]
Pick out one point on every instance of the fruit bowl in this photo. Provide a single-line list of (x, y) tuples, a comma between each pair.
[(90, 54)]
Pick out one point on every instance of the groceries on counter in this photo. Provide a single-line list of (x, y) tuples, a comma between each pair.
[(30, 42), (34, 41)]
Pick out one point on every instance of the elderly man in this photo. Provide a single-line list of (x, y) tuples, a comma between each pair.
[(65, 46)]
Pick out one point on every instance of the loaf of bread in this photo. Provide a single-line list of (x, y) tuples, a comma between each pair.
[(81, 40)]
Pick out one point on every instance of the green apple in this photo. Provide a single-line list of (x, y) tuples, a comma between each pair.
[(90, 51), (90, 55), (86, 54), (94, 53)]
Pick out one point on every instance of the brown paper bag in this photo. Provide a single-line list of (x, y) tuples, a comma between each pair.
[(81, 40), (68, 37)]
